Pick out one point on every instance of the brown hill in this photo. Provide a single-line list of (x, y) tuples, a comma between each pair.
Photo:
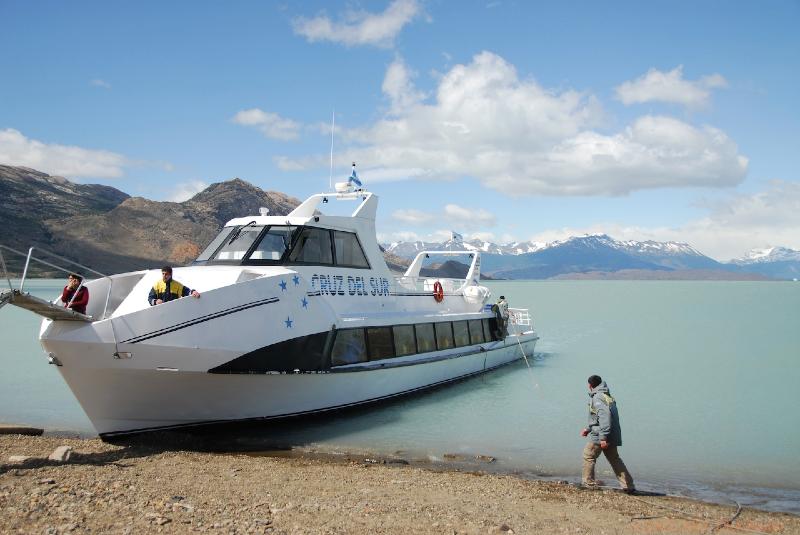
[(107, 230), (28, 198)]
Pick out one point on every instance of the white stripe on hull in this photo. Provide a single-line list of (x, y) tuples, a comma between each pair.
[(125, 400)]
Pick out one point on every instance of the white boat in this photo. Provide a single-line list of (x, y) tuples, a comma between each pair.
[(297, 314)]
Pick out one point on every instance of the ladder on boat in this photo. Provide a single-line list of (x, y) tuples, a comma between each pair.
[(37, 305)]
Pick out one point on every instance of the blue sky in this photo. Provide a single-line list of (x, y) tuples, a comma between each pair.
[(507, 121)]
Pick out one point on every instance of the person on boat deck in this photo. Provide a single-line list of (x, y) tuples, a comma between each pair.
[(73, 287), (605, 435), (502, 307), (168, 289)]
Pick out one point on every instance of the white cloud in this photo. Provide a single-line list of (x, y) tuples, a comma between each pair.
[(517, 137), (732, 227), (66, 160), (413, 217), (97, 82), (456, 216), (186, 190), (270, 124), (669, 86), (360, 27), (397, 85)]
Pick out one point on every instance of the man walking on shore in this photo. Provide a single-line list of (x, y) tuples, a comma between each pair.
[(605, 435)]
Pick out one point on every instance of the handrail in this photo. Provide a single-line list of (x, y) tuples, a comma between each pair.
[(5, 270), (29, 256)]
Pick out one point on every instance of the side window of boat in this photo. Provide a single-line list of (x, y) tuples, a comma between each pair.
[(426, 341), (476, 332), (488, 334), (379, 342), (349, 347), (460, 333), (404, 342), (348, 250), (313, 247), (444, 335)]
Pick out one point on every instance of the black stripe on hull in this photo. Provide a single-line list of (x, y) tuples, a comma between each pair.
[(303, 413), (202, 319)]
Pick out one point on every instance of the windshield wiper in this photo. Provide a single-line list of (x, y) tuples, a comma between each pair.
[(238, 231)]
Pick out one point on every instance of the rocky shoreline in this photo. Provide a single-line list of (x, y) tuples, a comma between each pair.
[(143, 487)]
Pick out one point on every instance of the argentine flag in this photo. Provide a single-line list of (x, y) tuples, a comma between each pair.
[(353, 179)]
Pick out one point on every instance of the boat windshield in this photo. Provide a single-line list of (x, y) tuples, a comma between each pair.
[(249, 242)]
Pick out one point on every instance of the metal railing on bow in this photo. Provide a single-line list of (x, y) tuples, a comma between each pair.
[(83, 270)]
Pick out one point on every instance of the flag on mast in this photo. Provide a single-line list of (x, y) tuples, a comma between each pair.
[(353, 179)]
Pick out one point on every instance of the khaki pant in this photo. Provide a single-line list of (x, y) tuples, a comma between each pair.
[(590, 454)]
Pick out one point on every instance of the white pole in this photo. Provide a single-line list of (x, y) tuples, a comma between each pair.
[(333, 127)]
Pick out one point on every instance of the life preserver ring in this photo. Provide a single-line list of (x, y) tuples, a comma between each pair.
[(438, 291)]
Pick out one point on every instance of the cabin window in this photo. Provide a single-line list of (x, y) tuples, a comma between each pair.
[(475, 332), (212, 247), (426, 340), (273, 244), (460, 333), (348, 250), (379, 340), (240, 241), (349, 348), (444, 335), (313, 247), (404, 342), (487, 330)]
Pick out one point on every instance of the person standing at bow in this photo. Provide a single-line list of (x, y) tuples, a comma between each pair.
[(168, 289), (74, 295), (605, 436)]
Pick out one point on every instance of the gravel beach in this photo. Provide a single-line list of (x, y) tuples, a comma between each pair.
[(136, 488)]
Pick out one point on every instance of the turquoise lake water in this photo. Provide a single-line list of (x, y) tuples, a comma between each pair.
[(705, 375)]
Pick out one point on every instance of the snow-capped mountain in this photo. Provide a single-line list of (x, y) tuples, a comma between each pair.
[(602, 253), (410, 249), (771, 254)]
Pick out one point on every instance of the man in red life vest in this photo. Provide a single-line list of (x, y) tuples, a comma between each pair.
[(168, 289), (74, 295)]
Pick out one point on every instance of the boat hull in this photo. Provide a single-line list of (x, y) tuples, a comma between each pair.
[(123, 401)]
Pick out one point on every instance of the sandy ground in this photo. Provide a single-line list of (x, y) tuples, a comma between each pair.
[(137, 488)]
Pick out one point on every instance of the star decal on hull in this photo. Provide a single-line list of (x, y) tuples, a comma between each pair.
[(288, 322), (282, 284)]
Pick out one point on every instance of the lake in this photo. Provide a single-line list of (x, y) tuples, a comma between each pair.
[(705, 375)]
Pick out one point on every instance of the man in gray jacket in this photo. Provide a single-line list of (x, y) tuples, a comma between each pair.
[(605, 435)]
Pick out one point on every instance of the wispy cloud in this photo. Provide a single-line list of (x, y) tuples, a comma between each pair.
[(456, 216), (97, 82), (513, 135), (360, 27), (659, 86), (270, 124), (186, 190), (66, 160)]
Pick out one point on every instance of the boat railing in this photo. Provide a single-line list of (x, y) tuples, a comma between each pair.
[(454, 286), (83, 270), (519, 316), (426, 284)]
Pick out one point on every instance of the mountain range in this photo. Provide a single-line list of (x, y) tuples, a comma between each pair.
[(602, 257), (110, 231)]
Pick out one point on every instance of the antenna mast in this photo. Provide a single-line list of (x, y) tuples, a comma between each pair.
[(333, 127)]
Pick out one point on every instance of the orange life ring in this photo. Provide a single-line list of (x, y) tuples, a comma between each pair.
[(438, 291)]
